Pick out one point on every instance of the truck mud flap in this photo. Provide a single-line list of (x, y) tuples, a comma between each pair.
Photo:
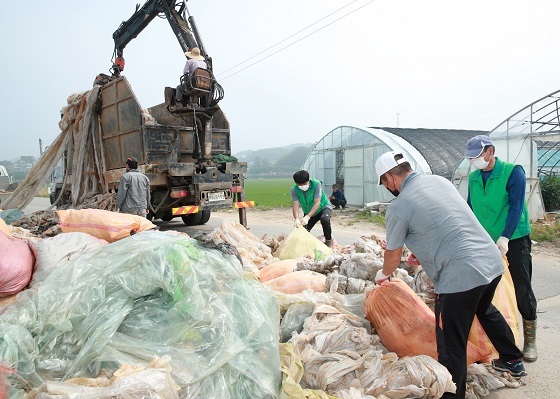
[(184, 210)]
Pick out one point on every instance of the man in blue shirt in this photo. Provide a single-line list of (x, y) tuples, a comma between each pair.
[(337, 198), (497, 198)]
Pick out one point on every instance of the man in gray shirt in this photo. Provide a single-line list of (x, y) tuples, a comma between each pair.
[(134, 190), (194, 61), (436, 224)]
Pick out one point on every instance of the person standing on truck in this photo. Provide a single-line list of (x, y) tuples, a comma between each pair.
[(134, 190), (314, 202), (194, 61), (497, 198), (435, 223), (337, 198)]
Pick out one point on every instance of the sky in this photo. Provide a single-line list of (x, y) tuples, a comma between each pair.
[(443, 64)]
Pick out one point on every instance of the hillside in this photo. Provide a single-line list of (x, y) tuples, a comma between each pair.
[(277, 161)]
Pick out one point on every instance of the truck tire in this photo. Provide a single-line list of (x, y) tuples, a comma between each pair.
[(54, 196), (192, 219), (205, 216), (167, 216)]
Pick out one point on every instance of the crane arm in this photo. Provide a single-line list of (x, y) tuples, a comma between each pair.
[(142, 17)]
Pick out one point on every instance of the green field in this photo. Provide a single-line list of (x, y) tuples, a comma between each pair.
[(269, 193)]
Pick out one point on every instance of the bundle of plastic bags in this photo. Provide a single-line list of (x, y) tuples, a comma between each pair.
[(153, 293)]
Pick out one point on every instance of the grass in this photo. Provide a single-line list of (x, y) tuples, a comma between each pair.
[(549, 231), (44, 192), (275, 193), (368, 216), (269, 193)]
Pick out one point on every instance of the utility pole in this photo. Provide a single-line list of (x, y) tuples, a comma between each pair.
[(398, 122), (40, 147)]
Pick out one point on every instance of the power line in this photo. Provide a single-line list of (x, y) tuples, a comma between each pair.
[(291, 44), (283, 40)]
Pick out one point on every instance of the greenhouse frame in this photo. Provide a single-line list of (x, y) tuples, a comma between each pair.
[(530, 137), (346, 156)]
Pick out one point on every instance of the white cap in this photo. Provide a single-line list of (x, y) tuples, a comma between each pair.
[(386, 162)]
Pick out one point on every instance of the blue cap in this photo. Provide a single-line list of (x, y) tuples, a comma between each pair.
[(476, 145)]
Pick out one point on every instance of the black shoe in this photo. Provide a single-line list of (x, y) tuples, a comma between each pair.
[(336, 207), (514, 367)]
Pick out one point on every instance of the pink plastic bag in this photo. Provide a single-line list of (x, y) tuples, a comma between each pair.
[(16, 265), (297, 282)]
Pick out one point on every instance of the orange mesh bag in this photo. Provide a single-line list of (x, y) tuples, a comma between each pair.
[(297, 282), (106, 225), (505, 301), (278, 269), (405, 324)]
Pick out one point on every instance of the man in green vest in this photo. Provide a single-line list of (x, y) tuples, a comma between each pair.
[(314, 202), (497, 198)]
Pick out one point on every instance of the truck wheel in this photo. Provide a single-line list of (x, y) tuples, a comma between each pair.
[(205, 216), (192, 219), (54, 196), (167, 216)]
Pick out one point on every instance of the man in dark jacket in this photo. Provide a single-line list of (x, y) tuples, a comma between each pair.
[(337, 198)]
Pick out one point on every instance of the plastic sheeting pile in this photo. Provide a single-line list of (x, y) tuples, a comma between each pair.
[(339, 353), (162, 315), (150, 294)]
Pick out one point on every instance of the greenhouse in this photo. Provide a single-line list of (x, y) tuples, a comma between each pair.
[(346, 156), (530, 137)]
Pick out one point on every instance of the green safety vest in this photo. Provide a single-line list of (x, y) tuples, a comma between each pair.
[(306, 199), (491, 204)]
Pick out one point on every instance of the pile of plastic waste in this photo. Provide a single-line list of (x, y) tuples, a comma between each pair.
[(222, 315)]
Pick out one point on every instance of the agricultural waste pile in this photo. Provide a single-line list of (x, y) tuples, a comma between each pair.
[(161, 314)]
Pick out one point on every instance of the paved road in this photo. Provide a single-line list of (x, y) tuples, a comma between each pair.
[(543, 380)]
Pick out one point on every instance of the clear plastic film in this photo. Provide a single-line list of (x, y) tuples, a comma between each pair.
[(152, 294)]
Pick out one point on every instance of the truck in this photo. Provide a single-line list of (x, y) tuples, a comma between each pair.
[(183, 147)]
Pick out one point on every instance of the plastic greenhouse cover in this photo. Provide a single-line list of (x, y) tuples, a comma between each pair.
[(152, 294)]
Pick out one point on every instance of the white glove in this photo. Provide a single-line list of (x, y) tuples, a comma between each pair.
[(296, 222), (502, 244), (305, 220), (380, 277)]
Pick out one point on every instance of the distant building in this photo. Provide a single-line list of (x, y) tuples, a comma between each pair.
[(24, 163)]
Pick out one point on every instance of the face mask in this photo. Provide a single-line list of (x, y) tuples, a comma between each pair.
[(479, 163), (305, 187), (394, 192)]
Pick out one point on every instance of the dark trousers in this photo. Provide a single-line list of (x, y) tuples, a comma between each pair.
[(338, 202), (325, 218), (454, 318), (521, 269)]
